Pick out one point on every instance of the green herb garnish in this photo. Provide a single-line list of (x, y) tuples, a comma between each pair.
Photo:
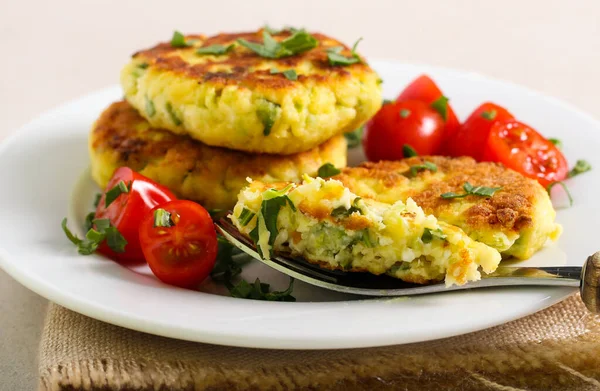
[(101, 230), (89, 221), (408, 151), (441, 106), (489, 115), (143, 65), (289, 74), (341, 211), (215, 49), (414, 170), (354, 138), (557, 143), (404, 113), (336, 58), (469, 189), (150, 109), (268, 113), (565, 188), (176, 120), (429, 234), (580, 167), (299, 42), (97, 199), (178, 40), (386, 102), (115, 192), (245, 217), (261, 291), (162, 218), (328, 170)]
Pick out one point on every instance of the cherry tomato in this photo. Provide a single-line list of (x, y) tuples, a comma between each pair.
[(128, 209), (521, 148), (183, 252), (409, 122), (423, 88), (471, 137)]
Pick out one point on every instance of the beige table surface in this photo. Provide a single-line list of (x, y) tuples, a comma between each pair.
[(54, 51)]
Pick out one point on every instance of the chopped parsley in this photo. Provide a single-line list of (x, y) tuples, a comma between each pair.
[(404, 113), (469, 189), (268, 113), (100, 231), (557, 143), (150, 109), (143, 65), (215, 49), (178, 40), (328, 170), (335, 57), (299, 42), (408, 151), (261, 291), (162, 218), (441, 106), (580, 167), (176, 120), (115, 192), (489, 115), (341, 211), (246, 216), (289, 74), (429, 234), (414, 170)]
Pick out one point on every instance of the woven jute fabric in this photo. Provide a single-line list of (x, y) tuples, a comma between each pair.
[(555, 349)]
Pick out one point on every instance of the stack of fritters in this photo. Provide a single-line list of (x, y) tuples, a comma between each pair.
[(202, 123)]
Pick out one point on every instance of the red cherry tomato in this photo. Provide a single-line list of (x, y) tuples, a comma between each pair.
[(406, 122), (182, 254), (471, 137), (521, 148), (423, 88), (128, 209)]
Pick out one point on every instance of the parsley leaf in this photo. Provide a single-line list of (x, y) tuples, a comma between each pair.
[(246, 216), (414, 170), (580, 167), (354, 138), (115, 192), (97, 199), (150, 108), (469, 189), (328, 170), (557, 143), (565, 188), (429, 234), (341, 211), (336, 58), (215, 49), (408, 151), (226, 267), (489, 115), (178, 40), (441, 106), (267, 113), (176, 120), (299, 42), (95, 236), (261, 291), (89, 221), (289, 74), (162, 218)]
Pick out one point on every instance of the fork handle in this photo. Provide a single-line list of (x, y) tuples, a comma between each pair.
[(590, 283)]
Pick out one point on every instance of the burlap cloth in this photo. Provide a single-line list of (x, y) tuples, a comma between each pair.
[(555, 349)]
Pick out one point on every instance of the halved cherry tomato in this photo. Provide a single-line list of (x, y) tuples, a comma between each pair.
[(406, 122), (183, 252), (423, 88), (521, 148), (471, 137), (128, 209)]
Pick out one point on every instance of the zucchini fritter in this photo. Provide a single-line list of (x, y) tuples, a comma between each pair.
[(517, 220), (240, 100), (326, 224), (209, 175)]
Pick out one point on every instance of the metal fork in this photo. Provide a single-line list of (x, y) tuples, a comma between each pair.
[(587, 278)]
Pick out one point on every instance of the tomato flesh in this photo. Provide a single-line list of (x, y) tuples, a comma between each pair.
[(128, 209), (423, 88), (524, 150), (406, 122), (471, 137), (183, 254)]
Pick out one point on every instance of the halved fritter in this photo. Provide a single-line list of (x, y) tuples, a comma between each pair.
[(516, 220), (326, 224), (243, 101), (209, 175)]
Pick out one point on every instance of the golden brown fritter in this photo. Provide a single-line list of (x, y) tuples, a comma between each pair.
[(517, 220), (211, 176)]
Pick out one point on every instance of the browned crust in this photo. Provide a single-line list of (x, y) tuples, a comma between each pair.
[(121, 130), (240, 62), (510, 208)]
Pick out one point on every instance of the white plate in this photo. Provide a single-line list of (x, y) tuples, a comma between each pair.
[(44, 178)]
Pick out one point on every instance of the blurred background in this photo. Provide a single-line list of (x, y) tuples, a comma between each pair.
[(54, 51)]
